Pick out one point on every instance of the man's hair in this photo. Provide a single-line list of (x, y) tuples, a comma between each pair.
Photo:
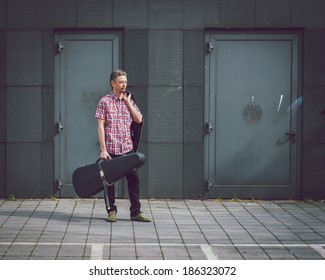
[(116, 74)]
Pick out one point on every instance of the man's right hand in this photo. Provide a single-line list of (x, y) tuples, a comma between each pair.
[(105, 155)]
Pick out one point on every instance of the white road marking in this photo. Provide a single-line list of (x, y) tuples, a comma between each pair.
[(319, 246), (97, 251), (207, 250), (319, 249)]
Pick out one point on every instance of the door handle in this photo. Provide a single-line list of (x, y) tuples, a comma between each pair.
[(293, 133), (292, 136)]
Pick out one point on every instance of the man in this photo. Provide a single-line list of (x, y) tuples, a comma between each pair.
[(115, 114)]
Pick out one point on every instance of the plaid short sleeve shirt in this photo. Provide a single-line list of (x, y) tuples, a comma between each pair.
[(118, 120)]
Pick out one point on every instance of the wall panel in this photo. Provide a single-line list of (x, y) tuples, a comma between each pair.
[(24, 114), (308, 13), (24, 57), (166, 14), (24, 168), (200, 14), (165, 61), (130, 14), (100, 14), (237, 13), (165, 170), (165, 114), (276, 13)]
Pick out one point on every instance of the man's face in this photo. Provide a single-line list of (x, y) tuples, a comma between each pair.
[(120, 84)]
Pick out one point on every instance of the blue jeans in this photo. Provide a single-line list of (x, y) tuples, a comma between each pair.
[(134, 192)]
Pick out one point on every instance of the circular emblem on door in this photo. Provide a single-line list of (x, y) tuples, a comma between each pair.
[(252, 111)]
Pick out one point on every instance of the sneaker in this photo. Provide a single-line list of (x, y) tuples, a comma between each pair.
[(140, 218), (111, 217)]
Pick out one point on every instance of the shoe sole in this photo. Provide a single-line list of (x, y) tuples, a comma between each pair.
[(139, 220)]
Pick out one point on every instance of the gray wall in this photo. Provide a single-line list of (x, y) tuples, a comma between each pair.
[(3, 101), (164, 59)]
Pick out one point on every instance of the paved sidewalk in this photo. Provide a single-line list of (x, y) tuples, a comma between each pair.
[(180, 229)]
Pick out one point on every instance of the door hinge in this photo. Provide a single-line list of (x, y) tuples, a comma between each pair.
[(209, 47), (59, 184), (59, 126), (59, 46), (208, 127), (208, 185)]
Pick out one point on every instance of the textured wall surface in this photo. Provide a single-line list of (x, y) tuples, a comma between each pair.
[(163, 55)]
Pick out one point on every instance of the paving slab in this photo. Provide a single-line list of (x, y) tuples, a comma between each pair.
[(76, 229)]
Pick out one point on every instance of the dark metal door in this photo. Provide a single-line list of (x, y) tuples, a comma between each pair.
[(251, 112), (82, 66)]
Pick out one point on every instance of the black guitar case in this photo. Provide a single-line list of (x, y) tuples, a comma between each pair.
[(87, 180)]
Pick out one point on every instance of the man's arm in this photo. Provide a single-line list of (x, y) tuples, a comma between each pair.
[(101, 138)]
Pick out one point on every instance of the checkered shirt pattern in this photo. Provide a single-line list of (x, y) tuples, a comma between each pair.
[(118, 120)]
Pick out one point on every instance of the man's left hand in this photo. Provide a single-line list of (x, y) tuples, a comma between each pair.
[(127, 97)]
